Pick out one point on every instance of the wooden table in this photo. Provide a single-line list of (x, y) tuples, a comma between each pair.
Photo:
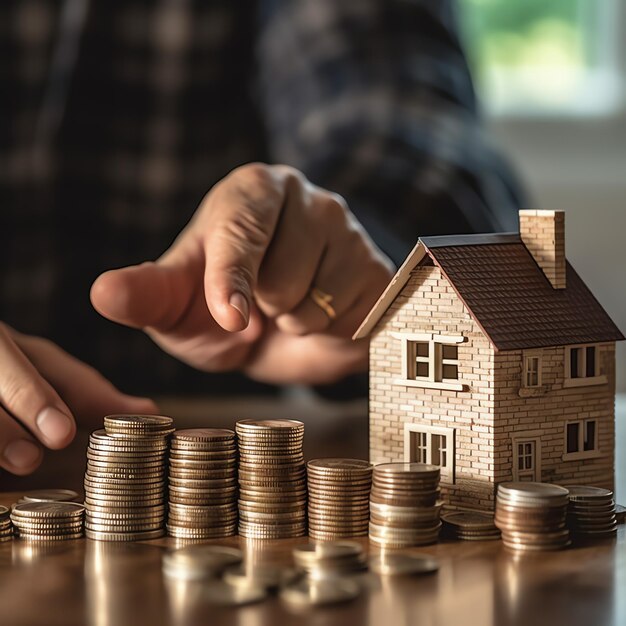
[(117, 584), (100, 584)]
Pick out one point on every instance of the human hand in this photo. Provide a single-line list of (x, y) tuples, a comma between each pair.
[(42, 390), (233, 291)]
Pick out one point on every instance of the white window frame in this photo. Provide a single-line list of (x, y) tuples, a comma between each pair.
[(583, 381), (526, 372), (582, 453), (521, 439), (435, 368), (447, 471)]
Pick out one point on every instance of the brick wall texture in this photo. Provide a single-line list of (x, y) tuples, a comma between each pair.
[(491, 410)]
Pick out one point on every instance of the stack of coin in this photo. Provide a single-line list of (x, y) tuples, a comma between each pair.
[(48, 521), (339, 491), (49, 495), (203, 484), (405, 505), (591, 512), (333, 559), (125, 478), (6, 528), (531, 516), (272, 481), (470, 525)]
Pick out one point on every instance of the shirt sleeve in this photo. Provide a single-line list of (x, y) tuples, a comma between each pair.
[(373, 99)]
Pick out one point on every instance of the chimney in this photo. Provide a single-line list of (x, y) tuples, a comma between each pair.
[(543, 233)]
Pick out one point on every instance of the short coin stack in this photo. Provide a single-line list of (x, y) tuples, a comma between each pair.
[(203, 484), (272, 482), (591, 513), (470, 525), (405, 505), (333, 559), (125, 478), (48, 521), (339, 491), (6, 528), (531, 516)]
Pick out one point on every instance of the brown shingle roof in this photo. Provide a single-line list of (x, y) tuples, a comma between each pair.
[(512, 300)]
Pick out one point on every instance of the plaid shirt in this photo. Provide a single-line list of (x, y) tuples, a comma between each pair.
[(118, 115)]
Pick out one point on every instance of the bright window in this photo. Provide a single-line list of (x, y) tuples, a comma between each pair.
[(532, 371), (534, 56), (433, 445)]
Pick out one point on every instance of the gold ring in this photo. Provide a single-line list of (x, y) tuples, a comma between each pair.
[(323, 301)]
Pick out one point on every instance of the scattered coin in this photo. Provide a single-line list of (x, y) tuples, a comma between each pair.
[(333, 559), (306, 592), (264, 575), (223, 594), (198, 562), (394, 564)]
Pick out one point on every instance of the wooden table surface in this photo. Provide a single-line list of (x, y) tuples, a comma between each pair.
[(479, 583), (102, 584)]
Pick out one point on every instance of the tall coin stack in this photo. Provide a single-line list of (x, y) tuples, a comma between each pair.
[(48, 521), (6, 528), (339, 491), (125, 478), (404, 505), (531, 516), (203, 484), (272, 481), (591, 513)]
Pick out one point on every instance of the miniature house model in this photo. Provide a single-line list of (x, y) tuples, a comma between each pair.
[(491, 358)]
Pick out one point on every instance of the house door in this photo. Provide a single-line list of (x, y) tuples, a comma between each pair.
[(525, 460)]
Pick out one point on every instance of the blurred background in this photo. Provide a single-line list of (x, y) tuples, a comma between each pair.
[(551, 77)]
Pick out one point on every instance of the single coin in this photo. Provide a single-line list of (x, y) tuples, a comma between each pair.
[(223, 594), (48, 509), (204, 435), (469, 519), (337, 550), (147, 423), (201, 533), (210, 560), (403, 564), (306, 592), (338, 465), (42, 538), (50, 495), (270, 424), (266, 576)]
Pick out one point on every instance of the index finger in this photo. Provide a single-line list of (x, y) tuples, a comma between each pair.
[(242, 214)]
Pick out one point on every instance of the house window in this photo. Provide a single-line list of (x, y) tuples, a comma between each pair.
[(532, 371), (430, 361), (582, 366), (581, 438), (526, 460), (426, 444)]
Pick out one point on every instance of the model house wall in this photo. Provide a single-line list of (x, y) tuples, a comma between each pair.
[(491, 358)]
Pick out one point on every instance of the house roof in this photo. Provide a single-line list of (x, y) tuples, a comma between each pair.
[(506, 293)]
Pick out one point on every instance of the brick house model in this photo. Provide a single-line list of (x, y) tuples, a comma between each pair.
[(491, 358)]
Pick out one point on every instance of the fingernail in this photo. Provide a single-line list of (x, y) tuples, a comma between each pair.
[(21, 454), (240, 302), (53, 424)]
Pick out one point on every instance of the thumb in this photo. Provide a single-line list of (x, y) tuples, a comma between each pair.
[(150, 294)]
